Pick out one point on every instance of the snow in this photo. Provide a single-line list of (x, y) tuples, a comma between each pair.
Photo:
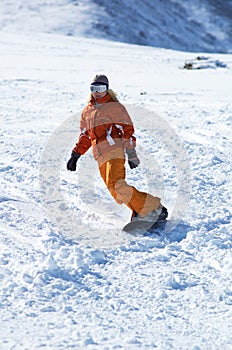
[(70, 278), (193, 25)]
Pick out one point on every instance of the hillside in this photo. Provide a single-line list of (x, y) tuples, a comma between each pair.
[(194, 25)]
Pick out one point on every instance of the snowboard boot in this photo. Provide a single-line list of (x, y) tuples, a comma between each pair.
[(163, 215), (160, 214), (134, 215)]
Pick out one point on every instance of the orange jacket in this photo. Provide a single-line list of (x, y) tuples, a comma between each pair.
[(105, 125)]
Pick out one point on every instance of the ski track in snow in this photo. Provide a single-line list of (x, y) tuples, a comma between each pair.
[(120, 291)]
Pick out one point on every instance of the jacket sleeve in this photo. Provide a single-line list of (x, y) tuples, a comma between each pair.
[(84, 142), (126, 126)]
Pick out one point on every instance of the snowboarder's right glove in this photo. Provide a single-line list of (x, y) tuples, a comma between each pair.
[(72, 163), (133, 159)]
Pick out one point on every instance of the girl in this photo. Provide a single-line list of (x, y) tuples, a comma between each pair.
[(107, 127)]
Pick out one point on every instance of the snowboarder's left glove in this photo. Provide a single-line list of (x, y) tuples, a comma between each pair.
[(133, 159), (72, 163)]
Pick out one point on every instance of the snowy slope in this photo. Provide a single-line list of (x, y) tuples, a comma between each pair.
[(100, 288), (70, 278), (192, 25)]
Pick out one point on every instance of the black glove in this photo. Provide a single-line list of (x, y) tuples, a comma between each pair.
[(72, 163), (133, 159)]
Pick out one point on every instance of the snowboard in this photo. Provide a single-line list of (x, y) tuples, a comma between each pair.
[(143, 227)]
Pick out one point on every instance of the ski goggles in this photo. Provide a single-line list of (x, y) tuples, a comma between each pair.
[(98, 88)]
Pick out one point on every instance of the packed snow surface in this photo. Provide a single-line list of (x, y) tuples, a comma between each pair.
[(70, 277)]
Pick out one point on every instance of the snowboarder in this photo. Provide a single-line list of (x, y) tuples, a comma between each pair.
[(106, 126)]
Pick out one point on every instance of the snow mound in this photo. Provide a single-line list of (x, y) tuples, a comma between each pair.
[(202, 62)]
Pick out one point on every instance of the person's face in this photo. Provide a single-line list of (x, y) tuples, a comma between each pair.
[(99, 94)]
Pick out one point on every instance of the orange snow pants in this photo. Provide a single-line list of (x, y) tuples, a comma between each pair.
[(112, 170)]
